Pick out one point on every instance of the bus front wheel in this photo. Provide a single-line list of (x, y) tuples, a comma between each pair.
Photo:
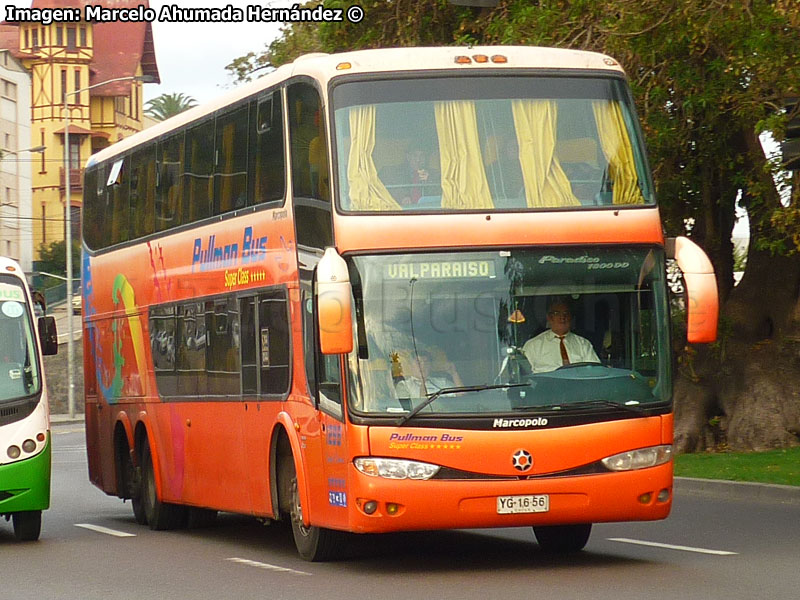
[(160, 515), (313, 543), (27, 525), (563, 538)]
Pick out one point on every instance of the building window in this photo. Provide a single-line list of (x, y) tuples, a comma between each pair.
[(77, 85), (9, 89), (83, 37), (74, 152), (64, 84), (43, 168), (35, 36), (59, 36), (71, 44)]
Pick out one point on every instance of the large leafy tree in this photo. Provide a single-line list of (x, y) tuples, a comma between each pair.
[(53, 260), (168, 105), (708, 78)]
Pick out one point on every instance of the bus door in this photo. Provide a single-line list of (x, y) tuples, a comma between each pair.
[(324, 375)]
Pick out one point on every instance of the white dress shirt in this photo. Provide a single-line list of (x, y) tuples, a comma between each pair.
[(544, 351)]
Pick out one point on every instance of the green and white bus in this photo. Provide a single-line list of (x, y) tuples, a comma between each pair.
[(24, 413)]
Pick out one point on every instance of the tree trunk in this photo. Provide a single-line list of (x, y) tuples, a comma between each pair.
[(745, 393)]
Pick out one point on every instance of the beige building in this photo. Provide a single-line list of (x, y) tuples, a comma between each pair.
[(63, 58)]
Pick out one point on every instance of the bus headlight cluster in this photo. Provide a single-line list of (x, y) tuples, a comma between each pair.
[(639, 459), (395, 468), (29, 446)]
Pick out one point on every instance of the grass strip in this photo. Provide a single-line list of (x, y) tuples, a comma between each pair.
[(773, 466)]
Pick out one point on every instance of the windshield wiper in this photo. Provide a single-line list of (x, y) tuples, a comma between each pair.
[(634, 408), (453, 390)]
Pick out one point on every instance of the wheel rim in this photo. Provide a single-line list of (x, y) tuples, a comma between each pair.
[(296, 511)]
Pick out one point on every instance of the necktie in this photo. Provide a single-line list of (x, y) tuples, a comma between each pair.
[(563, 348)]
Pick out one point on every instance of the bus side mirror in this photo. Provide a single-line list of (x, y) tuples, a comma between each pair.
[(48, 336), (702, 300), (334, 304)]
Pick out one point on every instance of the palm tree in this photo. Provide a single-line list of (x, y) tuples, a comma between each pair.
[(168, 105)]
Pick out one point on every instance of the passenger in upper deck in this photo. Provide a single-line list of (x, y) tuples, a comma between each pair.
[(413, 179), (558, 346)]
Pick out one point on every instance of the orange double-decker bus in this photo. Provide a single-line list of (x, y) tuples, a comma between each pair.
[(334, 296)]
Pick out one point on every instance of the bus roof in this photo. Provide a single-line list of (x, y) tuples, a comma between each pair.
[(325, 67), (9, 265)]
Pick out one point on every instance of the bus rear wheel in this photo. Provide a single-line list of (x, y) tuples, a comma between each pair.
[(563, 538), (313, 543), (160, 515), (27, 525)]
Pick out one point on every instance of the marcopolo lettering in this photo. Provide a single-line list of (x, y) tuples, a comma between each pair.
[(509, 423)]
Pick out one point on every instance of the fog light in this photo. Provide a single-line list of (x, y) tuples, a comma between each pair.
[(13, 452), (392, 508), (663, 495), (41, 437), (370, 506), (645, 498), (29, 446)]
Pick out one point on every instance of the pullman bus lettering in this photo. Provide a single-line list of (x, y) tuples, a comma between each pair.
[(226, 257)]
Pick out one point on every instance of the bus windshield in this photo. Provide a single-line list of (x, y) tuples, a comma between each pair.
[(456, 331), (19, 375), (487, 143)]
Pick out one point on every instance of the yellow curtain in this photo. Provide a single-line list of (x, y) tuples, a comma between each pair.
[(546, 184), (367, 192), (464, 185), (618, 151)]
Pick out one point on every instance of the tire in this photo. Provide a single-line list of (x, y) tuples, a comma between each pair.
[(563, 538), (313, 544), (159, 515), (27, 525), (133, 483), (137, 503)]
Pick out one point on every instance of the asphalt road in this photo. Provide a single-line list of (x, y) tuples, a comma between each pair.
[(712, 547)]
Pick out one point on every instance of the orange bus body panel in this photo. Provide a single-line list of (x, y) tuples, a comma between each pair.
[(375, 233)]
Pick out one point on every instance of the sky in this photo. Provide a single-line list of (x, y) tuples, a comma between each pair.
[(192, 56)]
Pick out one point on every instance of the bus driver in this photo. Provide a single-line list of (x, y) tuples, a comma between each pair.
[(558, 346)]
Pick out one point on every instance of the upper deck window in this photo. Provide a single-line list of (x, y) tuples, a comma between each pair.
[(487, 143)]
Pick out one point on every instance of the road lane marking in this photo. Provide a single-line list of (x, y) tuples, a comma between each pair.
[(672, 546), (106, 530), (267, 566)]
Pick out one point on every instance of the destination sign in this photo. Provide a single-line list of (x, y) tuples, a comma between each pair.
[(11, 292), (445, 269)]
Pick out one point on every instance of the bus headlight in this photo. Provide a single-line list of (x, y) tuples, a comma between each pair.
[(395, 468), (639, 459)]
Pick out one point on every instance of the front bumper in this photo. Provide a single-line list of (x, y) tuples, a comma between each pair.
[(457, 504), (25, 485)]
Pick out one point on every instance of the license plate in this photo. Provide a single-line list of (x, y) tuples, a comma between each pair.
[(507, 505)]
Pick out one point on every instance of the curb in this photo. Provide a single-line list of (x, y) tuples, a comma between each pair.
[(739, 490), (63, 419)]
